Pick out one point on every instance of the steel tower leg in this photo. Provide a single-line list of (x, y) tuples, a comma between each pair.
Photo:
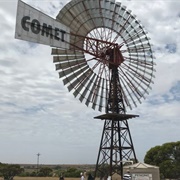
[(116, 146)]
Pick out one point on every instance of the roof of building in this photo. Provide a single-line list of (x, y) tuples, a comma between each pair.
[(140, 165)]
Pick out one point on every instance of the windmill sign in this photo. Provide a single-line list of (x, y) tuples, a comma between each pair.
[(35, 26)]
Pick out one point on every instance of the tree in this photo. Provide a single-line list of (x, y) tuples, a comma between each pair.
[(167, 157), (45, 171), (8, 171), (72, 172)]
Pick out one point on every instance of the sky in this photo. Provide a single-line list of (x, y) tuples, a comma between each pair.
[(39, 115)]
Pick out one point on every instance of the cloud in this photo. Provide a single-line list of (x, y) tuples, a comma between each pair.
[(38, 114)]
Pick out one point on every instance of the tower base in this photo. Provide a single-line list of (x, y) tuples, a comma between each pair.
[(116, 146)]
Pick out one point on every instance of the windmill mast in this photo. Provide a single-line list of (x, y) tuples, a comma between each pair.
[(38, 154), (113, 150)]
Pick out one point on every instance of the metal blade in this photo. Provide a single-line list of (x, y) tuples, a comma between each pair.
[(87, 88)]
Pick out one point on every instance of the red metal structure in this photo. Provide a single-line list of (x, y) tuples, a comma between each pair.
[(116, 145), (109, 67)]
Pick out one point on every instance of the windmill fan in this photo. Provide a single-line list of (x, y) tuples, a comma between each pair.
[(109, 66), (99, 29)]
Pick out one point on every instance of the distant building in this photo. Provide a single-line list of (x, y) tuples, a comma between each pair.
[(143, 171)]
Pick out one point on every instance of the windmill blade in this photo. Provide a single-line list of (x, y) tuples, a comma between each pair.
[(101, 96), (96, 93), (132, 91), (73, 76), (91, 92), (73, 69), (80, 83), (83, 95)]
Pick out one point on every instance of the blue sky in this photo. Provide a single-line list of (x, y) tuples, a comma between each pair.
[(39, 115)]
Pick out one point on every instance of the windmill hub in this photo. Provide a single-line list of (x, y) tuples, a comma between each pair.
[(115, 57)]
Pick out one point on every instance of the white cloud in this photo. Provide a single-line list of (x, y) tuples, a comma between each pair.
[(38, 114)]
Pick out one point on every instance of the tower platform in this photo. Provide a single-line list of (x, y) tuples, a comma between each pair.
[(116, 117)]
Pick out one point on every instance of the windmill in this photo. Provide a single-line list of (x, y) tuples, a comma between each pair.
[(107, 62), (109, 67)]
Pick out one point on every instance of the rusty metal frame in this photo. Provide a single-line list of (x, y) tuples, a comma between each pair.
[(116, 146), (127, 68)]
